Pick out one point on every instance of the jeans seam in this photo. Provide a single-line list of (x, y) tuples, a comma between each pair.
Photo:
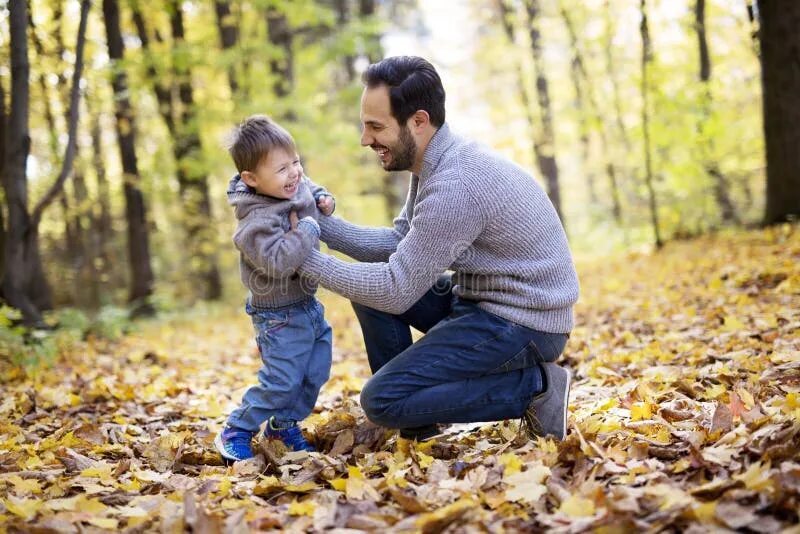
[(467, 406)]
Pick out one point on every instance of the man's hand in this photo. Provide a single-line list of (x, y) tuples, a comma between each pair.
[(293, 220), (325, 204)]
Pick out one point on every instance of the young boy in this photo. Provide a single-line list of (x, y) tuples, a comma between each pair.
[(276, 206)]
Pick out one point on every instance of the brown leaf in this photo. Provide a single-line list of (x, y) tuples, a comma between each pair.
[(734, 515), (74, 461), (344, 443), (722, 419), (407, 500)]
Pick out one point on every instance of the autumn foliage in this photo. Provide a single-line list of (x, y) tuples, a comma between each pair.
[(685, 414)]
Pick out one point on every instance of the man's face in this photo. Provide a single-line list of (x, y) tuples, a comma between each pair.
[(278, 175), (393, 142)]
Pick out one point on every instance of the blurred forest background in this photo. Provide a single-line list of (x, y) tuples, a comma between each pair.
[(643, 119)]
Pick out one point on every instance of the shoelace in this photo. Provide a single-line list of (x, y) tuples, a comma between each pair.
[(530, 425)]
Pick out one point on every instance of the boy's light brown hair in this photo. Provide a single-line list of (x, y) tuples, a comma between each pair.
[(251, 141)]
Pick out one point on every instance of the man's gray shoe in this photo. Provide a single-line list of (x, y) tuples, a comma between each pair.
[(546, 414)]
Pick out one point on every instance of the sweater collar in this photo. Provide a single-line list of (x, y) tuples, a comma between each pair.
[(436, 148)]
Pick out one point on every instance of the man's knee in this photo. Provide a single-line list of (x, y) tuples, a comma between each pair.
[(374, 403)]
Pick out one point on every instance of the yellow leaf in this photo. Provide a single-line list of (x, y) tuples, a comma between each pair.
[(640, 411), (104, 522), (301, 488), (302, 508), (24, 508), (425, 461), (511, 462), (33, 462), (224, 486), (715, 391), (757, 477), (354, 472), (23, 486), (436, 521), (704, 512), (527, 486), (339, 484), (577, 506), (732, 324), (101, 471), (791, 402), (89, 506)]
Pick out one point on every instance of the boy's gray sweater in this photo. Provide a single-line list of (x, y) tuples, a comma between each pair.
[(270, 251), (470, 211)]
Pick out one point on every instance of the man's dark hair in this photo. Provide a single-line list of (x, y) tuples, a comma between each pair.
[(413, 85)]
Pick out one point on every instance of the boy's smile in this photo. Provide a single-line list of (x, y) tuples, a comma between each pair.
[(277, 175)]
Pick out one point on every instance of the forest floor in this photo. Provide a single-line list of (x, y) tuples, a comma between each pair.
[(684, 416)]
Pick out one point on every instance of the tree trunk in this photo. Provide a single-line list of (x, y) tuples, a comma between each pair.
[(193, 182), (373, 48), (18, 257), (780, 79), (580, 107), (612, 75), (342, 10), (228, 37), (138, 240), (546, 154), (2, 181), (580, 72), (646, 58), (101, 222), (281, 67), (720, 181), (506, 19)]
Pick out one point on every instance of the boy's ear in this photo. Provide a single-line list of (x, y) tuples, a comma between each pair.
[(249, 178)]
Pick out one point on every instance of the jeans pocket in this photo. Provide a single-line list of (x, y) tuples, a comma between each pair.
[(527, 357), (268, 322)]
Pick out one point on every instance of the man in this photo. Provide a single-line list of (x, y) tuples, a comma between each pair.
[(495, 326)]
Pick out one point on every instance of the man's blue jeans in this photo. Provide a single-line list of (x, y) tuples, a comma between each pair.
[(470, 366), (295, 346)]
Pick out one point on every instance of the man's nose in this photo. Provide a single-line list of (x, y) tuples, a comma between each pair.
[(366, 139)]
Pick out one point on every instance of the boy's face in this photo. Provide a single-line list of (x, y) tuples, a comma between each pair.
[(278, 175)]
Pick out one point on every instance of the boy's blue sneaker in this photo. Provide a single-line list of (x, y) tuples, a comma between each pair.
[(290, 435), (234, 444)]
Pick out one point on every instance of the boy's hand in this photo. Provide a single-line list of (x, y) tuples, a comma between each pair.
[(325, 204), (293, 220)]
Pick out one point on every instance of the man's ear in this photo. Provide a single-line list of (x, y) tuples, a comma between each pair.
[(420, 119), (249, 178)]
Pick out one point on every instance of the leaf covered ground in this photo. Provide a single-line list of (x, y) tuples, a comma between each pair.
[(685, 416)]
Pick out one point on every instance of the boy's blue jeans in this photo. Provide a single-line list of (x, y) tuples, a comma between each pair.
[(295, 345), (470, 366)]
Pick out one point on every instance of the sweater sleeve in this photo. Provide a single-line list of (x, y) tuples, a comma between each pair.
[(446, 222), (363, 243), (266, 246), (317, 191)]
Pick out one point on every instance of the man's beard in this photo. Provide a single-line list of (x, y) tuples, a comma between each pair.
[(404, 153)]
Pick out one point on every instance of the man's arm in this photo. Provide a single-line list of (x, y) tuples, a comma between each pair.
[(267, 247), (363, 243), (446, 222)]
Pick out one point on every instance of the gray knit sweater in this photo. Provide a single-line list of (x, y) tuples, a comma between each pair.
[(270, 251), (473, 212)]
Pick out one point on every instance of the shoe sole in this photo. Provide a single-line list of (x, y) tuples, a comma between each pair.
[(566, 404), (222, 452)]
